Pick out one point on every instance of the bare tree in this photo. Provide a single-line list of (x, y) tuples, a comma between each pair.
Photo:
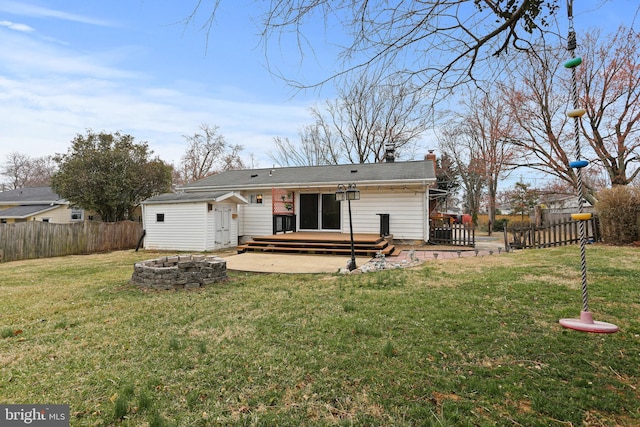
[(231, 159), (42, 170), (610, 92), (609, 88), (439, 43), (314, 149), (16, 169), (24, 171), (489, 132), (370, 116), (455, 145), (358, 126), (208, 153), (538, 97)]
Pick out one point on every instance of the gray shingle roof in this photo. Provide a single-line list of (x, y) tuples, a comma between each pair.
[(373, 173), (25, 211), (38, 195), (188, 197)]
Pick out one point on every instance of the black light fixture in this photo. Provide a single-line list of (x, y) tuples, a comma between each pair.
[(349, 192)]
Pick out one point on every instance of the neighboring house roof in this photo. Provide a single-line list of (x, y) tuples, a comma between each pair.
[(19, 212), (562, 200), (217, 196), (417, 172), (30, 196)]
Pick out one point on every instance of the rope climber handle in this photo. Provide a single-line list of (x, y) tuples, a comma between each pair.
[(571, 37), (585, 323)]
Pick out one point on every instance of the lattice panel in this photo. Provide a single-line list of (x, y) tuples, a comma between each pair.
[(282, 201)]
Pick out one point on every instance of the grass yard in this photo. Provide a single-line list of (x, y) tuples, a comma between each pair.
[(463, 342)]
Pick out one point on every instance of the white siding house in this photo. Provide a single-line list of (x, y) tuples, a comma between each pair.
[(407, 210), (256, 218), (303, 197)]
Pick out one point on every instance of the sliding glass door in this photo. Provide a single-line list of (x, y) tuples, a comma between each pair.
[(319, 212)]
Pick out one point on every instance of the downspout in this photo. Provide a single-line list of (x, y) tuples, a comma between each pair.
[(427, 202), (144, 229)]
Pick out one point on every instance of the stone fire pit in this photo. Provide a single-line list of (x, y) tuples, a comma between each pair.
[(179, 272)]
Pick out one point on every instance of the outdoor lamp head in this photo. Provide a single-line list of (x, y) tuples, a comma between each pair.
[(353, 193)]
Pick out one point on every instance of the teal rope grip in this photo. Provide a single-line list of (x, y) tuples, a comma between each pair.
[(573, 62)]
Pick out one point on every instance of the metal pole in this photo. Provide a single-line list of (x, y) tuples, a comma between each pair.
[(352, 266)]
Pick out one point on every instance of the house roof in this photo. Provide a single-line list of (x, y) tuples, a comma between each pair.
[(214, 196), (25, 211), (30, 196), (417, 172)]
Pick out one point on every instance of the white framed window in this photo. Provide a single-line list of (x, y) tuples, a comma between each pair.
[(77, 214), (255, 198)]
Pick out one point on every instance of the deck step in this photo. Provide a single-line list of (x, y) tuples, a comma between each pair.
[(312, 245), (338, 245), (327, 251)]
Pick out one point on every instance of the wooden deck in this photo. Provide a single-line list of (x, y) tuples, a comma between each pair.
[(319, 243)]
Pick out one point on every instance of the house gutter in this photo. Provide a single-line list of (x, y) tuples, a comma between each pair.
[(421, 182)]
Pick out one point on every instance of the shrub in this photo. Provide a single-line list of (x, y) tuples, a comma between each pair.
[(618, 209), (518, 224), (500, 224)]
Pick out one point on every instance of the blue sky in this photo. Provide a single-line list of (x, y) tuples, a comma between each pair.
[(134, 66)]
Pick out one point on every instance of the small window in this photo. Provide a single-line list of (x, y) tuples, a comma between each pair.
[(255, 198), (160, 217), (45, 219), (76, 214), (3, 221)]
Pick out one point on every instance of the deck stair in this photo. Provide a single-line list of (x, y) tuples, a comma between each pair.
[(319, 243)]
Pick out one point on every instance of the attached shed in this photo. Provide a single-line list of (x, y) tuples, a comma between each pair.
[(205, 221)]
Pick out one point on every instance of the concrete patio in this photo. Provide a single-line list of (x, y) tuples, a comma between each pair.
[(266, 262)]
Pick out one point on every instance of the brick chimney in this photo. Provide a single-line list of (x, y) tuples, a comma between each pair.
[(432, 156)]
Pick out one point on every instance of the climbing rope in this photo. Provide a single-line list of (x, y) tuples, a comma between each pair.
[(586, 322), (575, 113)]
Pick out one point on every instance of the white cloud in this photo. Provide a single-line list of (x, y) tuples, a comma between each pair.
[(49, 93), (24, 54), (16, 27), (24, 9), (41, 116)]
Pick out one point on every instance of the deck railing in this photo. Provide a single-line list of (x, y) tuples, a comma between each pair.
[(284, 223), (557, 233), (454, 234)]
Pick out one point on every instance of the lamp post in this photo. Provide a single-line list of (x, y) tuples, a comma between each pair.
[(349, 192)]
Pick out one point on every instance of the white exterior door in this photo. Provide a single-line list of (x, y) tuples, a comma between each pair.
[(223, 227)]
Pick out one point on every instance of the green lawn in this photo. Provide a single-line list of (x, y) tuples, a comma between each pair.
[(470, 341)]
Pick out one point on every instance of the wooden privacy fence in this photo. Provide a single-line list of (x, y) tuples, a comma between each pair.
[(454, 234), (35, 239), (557, 233)]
